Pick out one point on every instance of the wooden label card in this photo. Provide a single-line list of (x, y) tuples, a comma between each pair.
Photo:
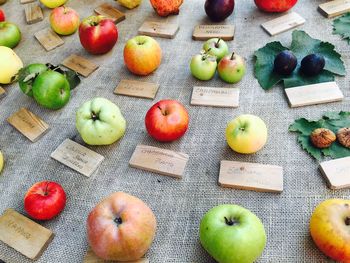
[(79, 64), (48, 39), (159, 160), (217, 97), (137, 89), (33, 13), (90, 257), (314, 94), (283, 23), (2, 92), (23, 234), (205, 32), (159, 29), (26, 1), (109, 11), (337, 172), (28, 124), (251, 176), (77, 157), (334, 8)]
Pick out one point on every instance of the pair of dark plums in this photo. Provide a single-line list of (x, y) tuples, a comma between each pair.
[(286, 62)]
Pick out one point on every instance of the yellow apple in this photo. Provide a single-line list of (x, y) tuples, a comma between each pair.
[(53, 3), (1, 161), (10, 64), (330, 228), (246, 134)]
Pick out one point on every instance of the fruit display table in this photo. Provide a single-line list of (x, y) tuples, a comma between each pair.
[(178, 204)]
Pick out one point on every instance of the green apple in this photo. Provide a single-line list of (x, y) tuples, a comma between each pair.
[(231, 68), (100, 122), (27, 76), (216, 47), (51, 90), (10, 35), (232, 234), (203, 66), (53, 3), (246, 134), (1, 161)]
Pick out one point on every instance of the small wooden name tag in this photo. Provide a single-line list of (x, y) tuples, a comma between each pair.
[(2, 92), (337, 172), (217, 97), (205, 32), (314, 94), (23, 234), (159, 29), (109, 11), (90, 257), (251, 176), (26, 1), (77, 157), (48, 39), (334, 8), (283, 23), (79, 64), (159, 160), (137, 89), (28, 124), (33, 13)]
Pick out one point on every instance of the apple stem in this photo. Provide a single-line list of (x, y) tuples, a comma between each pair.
[(233, 54), (94, 116), (46, 189), (118, 221), (347, 221), (64, 9), (163, 112), (230, 221), (217, 43)]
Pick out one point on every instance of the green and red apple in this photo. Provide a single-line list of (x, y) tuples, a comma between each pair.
[(64, 20), (232, 234), (203, 66), (246, 134), (10, 64), (232, 68), (216, 47), (100, 122), (53, 3), (10, 35)]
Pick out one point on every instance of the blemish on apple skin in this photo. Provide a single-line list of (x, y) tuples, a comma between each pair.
[(346, 205)]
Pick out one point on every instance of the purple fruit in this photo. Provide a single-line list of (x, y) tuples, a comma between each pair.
[(285, 63), (312, 64), (219, 10)]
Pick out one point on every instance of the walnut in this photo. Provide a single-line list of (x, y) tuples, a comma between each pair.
[(343, 136), (322, 138)]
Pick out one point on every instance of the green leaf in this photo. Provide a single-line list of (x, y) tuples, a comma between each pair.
[(341, 26), (302, 45), (331, 120)]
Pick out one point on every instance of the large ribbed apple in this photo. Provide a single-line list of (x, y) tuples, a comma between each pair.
[(121, 227), (142, 55), (275, 6)]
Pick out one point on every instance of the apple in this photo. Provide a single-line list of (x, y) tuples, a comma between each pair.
[(232, 234), (10, 64), (2, 15), (45, 200), (231, 68), (203, 66), (100, 122), (53, 3), (121, 227), (246, 134), (51, 90), (98, 34), (27, 76), (167, 120), (1, 161), (275, 6), (130, 4), (10, 35), (219, 10), (64, 20), (142, 55), (216, 47), (2, 2), (329, 228)]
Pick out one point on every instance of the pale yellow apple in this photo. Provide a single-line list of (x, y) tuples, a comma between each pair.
[(130, 4), (1, 161), (53, 3), (246, 134), (10, 64)]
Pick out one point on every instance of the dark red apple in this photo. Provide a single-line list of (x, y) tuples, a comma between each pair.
[(45, 200), (275, 6), (2, 16), (219, 10), (167, 120), (98, 34)]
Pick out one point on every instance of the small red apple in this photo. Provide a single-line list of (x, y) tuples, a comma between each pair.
[(98, 34), (2, 16), (45, 200), (167, 120), (275, 6), (64, 20)]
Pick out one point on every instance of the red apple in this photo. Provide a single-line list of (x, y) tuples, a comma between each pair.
[(98, 34), (2, 16), (167, 120), (121, 227), (64, 20), (275, 6), (142, 55), (45, 200)]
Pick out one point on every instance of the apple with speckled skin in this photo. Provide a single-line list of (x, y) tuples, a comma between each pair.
[(232, 68), (64, 20)]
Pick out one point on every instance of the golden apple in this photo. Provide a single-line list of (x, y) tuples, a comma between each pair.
[(53, 3), (1, 161), (329, 228), (246, 134), (10, 64)]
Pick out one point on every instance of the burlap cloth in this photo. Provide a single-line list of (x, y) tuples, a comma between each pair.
[(178, 204)]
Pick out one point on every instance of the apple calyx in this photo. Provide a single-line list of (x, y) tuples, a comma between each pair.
[(347, 221), (231, 221), (118, 221), (164, 112), (94, 116), (206, 55)]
